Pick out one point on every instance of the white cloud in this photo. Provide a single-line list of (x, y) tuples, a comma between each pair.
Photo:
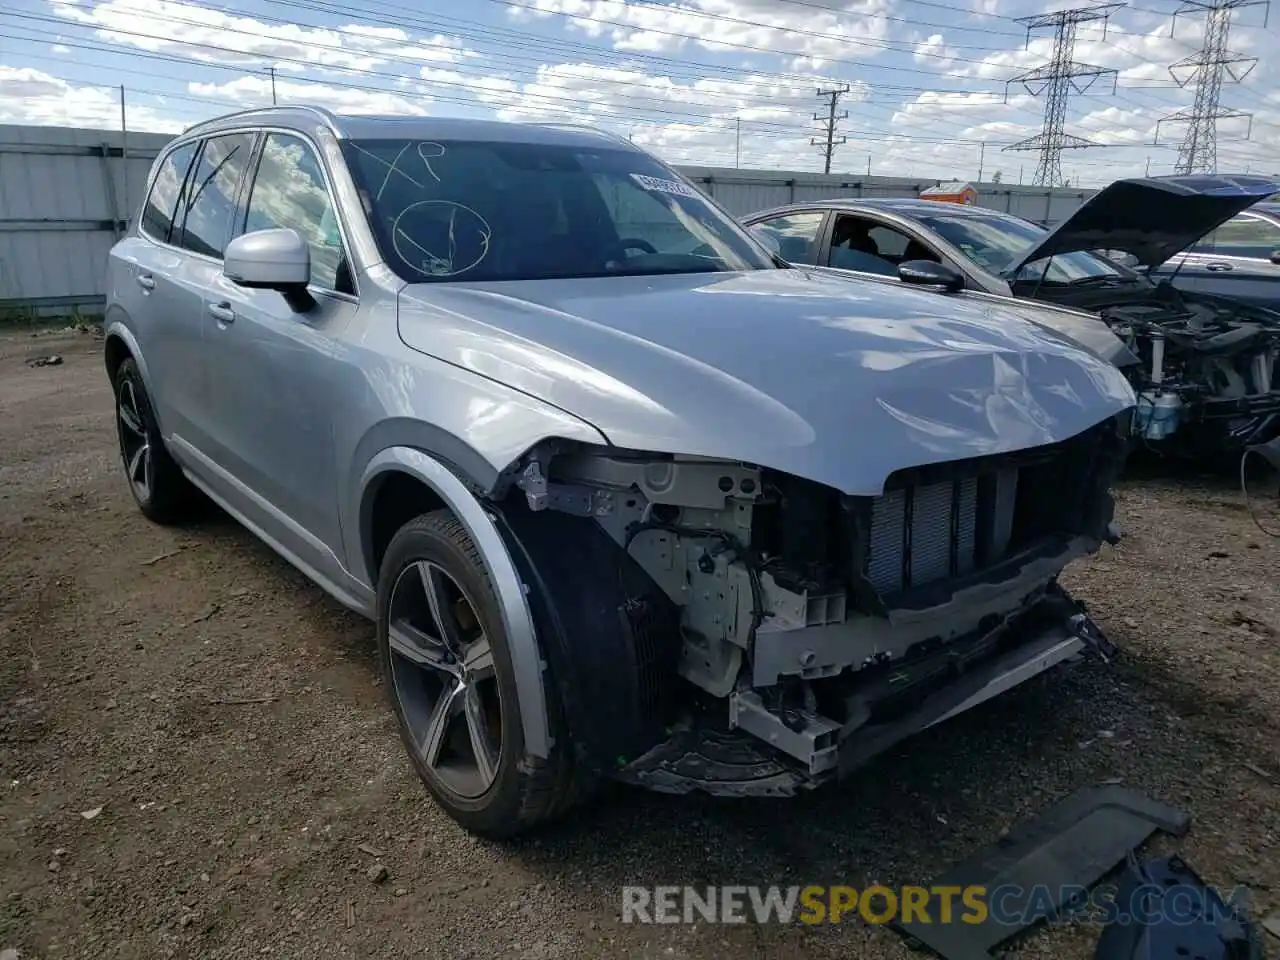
[(60, 48), (934, 50), (204, 33), (825, 34), (31, 96), (255, 91)]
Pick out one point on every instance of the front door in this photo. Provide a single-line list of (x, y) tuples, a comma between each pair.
[(272, 370)]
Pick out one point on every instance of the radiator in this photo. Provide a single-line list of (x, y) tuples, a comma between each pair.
[(925, 532)]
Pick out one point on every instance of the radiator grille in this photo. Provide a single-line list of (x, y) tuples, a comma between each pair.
[(925, 532)]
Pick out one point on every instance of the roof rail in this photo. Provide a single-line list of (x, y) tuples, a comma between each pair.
[(330, 119), (583, 128)]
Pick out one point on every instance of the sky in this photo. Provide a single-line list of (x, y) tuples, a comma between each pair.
[(708, 82)]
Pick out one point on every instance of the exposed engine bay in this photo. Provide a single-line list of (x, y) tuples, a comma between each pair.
[(1208, 371), (779, 632)]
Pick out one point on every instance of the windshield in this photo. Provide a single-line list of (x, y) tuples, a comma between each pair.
[(466, 210), (995, 243)]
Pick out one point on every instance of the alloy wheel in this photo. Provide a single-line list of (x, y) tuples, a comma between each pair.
[(443, 679), (135, 445)]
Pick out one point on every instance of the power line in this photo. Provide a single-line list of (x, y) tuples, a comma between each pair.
[(1056, 79), (830, 121), (1208, 68)]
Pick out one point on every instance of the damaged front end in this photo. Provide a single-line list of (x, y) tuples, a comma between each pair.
[(1207, 371), (724, 627)]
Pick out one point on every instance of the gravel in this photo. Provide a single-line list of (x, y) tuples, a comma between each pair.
[(226, 719)]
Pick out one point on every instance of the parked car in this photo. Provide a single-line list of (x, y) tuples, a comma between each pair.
[(1206, 381), (1240, 259), (627, 496)]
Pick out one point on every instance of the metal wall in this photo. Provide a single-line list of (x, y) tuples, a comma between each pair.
[(746, 191), (66, 194), (64, 197)]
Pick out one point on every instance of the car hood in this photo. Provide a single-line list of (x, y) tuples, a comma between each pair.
[(1152, 218), (838, 381), (1084, 328)]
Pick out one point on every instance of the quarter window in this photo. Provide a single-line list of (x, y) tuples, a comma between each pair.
[(210, 198), (157, 212), (797, 235), (289, 192)]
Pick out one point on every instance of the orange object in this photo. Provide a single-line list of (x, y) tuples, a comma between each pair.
[(964, 193)]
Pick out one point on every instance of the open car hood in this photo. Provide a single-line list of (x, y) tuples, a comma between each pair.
[(1152, 218)]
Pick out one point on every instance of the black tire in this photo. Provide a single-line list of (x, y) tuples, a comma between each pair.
[(526, 791), (165, 496)]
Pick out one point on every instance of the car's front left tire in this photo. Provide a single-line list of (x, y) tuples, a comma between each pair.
[(449, 675), (159, 487)]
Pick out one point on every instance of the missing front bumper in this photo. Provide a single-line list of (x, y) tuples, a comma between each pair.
[(772, 752)]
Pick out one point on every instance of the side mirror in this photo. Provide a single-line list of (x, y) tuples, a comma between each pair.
[(928, 273), (767, 239), (1275, 256), (271, 260)]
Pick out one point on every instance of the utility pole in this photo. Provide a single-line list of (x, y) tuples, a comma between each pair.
[(1208, 68), (272, 71), (124, 155), (1056, 80), (830, 121), (982, 159), (737, 146)]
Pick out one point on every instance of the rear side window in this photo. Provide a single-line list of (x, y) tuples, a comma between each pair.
[(1246, 237), (210, 199), (797, 235), (157, 212)]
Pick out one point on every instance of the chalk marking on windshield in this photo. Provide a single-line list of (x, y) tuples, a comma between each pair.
[(391, 167), (426, 160), (390, 170), (432, 264)]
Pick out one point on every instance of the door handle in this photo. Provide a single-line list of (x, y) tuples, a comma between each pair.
[(222, 312), (146, 281)]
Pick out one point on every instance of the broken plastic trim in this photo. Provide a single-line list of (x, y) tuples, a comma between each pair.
[(1069, 848), (1164, 909)]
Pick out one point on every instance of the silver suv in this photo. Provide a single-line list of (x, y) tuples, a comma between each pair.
[(627, 496)]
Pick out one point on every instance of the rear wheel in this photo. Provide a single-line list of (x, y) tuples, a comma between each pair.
[(162, 492), (449, 675)]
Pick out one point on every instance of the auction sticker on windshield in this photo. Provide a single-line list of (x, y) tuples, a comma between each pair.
[(664, 186)]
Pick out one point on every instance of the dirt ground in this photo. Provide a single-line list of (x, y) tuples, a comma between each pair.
[(226, 718)]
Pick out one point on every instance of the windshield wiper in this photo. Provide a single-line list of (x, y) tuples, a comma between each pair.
[(1099, 279)]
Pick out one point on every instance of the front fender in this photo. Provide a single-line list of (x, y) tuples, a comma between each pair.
[(517, 619)]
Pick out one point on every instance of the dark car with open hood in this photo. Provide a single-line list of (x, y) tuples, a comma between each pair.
[(1203, 364)]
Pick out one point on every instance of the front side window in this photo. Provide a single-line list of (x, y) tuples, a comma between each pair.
[(210, 199), (858, 244), (157, 212), (796, 235), (289, 191), (469, 210), (995, 243)]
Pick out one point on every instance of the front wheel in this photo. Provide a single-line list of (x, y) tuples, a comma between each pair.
[(448, 672)]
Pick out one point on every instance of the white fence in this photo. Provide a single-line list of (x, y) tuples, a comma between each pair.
[(67, 194)]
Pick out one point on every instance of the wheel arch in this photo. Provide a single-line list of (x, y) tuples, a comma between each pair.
[(118, 345), (440, 486)]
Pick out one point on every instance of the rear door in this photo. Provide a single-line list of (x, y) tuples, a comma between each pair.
[(272, 370), (145, 282), (1233, 261)]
